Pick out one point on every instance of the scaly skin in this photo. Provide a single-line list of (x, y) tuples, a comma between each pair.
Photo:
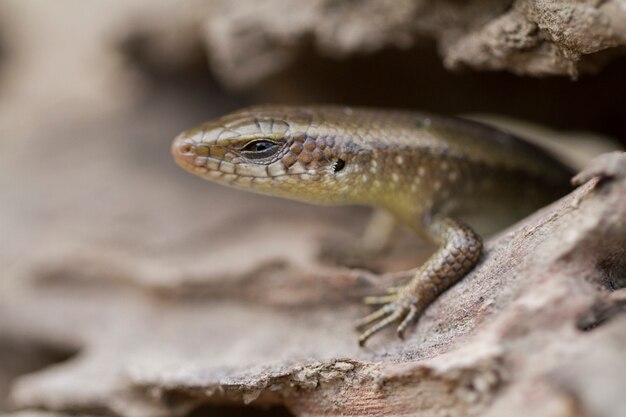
[(431, 173)]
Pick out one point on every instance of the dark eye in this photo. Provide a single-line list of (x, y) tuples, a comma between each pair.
[(259, 149)]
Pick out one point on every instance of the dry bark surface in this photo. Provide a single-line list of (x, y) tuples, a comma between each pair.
[(531, 37), (130, 288), (249, 40)]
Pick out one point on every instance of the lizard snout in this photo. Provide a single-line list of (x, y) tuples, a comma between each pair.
[(184, 151)]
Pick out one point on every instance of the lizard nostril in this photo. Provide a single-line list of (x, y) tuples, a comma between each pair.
[(184, 151), (185, 148)]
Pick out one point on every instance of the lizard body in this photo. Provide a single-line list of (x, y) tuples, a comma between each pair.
[(433, 174)]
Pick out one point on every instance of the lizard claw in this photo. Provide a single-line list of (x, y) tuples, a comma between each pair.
[(398, 307), (391, 295)]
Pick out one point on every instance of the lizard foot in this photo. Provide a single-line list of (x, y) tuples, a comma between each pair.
[(399, 305)]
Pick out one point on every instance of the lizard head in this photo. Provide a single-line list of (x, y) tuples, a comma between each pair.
[(280, 151)]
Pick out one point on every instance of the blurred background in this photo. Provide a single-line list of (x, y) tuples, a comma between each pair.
[(92, 93)]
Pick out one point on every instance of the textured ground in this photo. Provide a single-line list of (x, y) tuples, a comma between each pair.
[(130, 288)]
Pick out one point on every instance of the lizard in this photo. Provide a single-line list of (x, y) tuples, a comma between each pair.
[(434, 174)]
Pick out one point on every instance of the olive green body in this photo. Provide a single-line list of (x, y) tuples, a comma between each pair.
[(433, 174), (411, 164)]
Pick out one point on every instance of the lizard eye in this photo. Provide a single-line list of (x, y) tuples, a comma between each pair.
[(259, 149)]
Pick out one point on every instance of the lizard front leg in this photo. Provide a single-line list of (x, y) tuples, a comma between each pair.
[(460, 249)]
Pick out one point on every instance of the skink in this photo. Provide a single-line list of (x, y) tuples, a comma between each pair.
[(436, 175)]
